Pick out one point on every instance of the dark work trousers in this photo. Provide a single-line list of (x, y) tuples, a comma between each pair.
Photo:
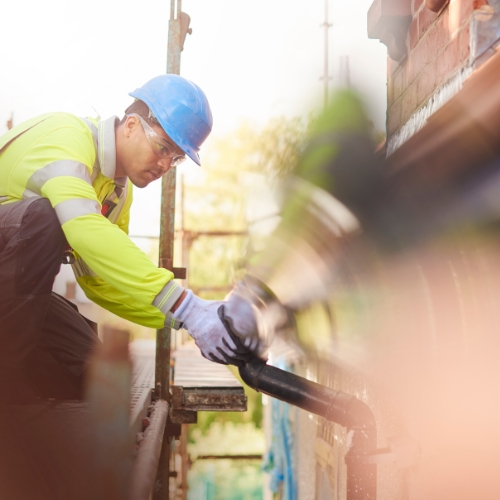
[(45, 343)]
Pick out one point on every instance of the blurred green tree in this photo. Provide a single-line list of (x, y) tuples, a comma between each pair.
[(216, 198)]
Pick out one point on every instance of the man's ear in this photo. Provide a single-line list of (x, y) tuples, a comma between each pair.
[(129, 125)]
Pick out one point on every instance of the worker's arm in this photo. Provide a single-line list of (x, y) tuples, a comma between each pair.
[(121, 304)]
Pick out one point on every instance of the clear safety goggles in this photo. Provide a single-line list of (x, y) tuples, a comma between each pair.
[(161, 147)]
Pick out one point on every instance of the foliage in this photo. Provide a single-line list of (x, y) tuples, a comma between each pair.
[(273, 150), (216, 196), (225, 480), (228, 439)]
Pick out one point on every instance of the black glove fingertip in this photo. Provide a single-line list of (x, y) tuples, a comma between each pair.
[(215, 359)]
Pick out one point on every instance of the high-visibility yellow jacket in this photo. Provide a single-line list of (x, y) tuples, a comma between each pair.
[(71, 161)]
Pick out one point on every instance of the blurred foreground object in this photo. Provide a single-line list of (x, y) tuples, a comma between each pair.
[(61, 450), (302, 254), (108, 397), (392, 270)]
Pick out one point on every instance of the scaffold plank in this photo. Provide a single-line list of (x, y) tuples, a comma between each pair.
[(200, 385)]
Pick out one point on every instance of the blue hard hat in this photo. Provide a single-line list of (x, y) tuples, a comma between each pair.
[(182, 109)]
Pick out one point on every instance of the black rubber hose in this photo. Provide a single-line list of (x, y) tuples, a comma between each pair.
[(335, 406)]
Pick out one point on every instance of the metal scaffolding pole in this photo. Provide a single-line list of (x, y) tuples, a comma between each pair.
[(167, 228)]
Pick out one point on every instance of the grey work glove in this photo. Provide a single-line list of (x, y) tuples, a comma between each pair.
[(201, 319), (254, 315)]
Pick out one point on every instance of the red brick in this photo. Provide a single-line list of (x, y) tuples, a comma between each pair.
[(426, 83), (409, 103), (410, 72), (392, 66), (413, 33), (425, 19), (448, 61), (399, 82), (462, 10), (416, 5), (438, 34), (436, 5), (390, 91), (422, 87), (405, 81), (464, 44), (394, 117), (439, 69), (476, 4), (418, 59), (466, 8)]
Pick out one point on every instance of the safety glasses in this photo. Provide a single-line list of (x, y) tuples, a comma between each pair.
[(161, 147)]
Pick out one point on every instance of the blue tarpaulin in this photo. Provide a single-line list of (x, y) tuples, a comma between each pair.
[(279, 459)]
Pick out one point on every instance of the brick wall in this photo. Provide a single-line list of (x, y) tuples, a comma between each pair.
[(438, 47)]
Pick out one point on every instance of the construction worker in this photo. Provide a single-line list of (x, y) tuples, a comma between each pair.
[(65, 192)]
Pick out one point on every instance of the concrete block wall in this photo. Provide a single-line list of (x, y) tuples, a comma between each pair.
[(438, 47)]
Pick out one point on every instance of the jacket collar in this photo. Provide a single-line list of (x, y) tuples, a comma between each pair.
[(106, 147)]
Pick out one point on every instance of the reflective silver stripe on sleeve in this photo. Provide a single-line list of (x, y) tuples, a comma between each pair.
[(168, 296), (28, 193), (171, 322), (76, 207), (60, 168), (81, 269)]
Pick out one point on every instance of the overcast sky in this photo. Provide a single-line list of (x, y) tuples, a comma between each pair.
[(254, 59)]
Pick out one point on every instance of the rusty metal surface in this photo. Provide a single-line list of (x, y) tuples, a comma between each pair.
[(148, 455), (167, 220), (167, 227), (200, 385), (174, 38), (163, 336), (214, 399), (183, 416)]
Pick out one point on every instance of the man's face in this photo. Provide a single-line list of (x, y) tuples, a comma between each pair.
[(137, 158)]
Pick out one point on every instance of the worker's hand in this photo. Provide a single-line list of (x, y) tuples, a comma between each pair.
[(242, 314), (254, 315), (201, 319)]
